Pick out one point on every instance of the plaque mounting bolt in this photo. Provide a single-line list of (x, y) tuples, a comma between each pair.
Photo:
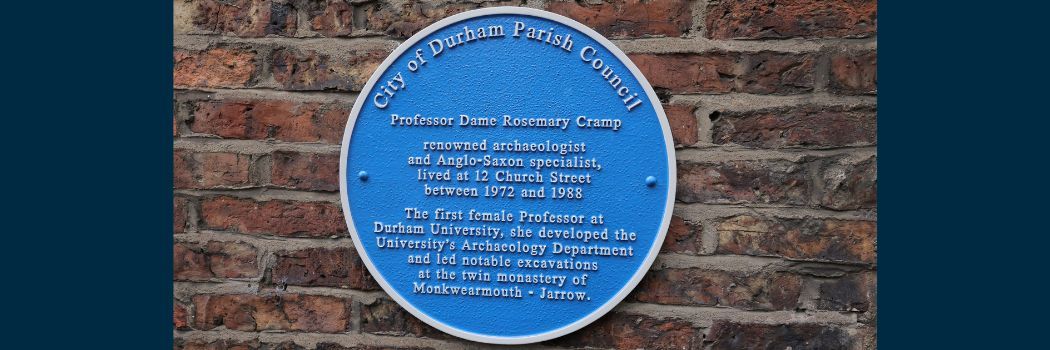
[(650, 181), (363, 175)]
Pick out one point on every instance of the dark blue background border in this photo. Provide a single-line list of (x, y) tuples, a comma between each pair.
[(87, 171), (962, 190)]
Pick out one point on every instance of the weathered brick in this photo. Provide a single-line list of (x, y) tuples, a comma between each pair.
[(620, 19), (726, 334), (619, 330), (853, 73), (683, 123), (802, 239), (203, 170), (305, 171), (323, 267), (719, 72), (182, 214), (277, 217), (849, 185), (683, 237), (215, 260), (777, 73), (180, 317), (309, 70), (707, 73), (289, 312), (804, 126), (217, 67), (772, 19), (854, 293), (270, 119), (402, 19), (229, 344), (245, 18), (331, 18), (386, 317), (740, 181), (699, 287)]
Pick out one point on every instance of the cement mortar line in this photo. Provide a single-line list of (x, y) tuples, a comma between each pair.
[(190, 93), (265, 82), (715, 154), (729, 263), (266, 194), (698, 15), (737, 102), (211, 144), (185, 290), (349, 339), (704, 211), (268, 243), (698, 44), (342, 46), (689, 211), (743, 102), (334, 47), (698, 153), (705, 316), (366, 297), (748, 264), (272, 245)]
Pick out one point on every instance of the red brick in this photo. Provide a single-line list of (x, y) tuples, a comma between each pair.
[(228, 67), (699, 287), (182, 214), (719, 72), (777, 73), (726, 334), (277, 217), (331, 18), (682, 122), (195, 262), (322, 267), (305, 171), (211, 170), (619, 330), (270, 119), (289, 312), (404, 19), (771, 19), (619, 19), (683, 237), (853, 73), (245, 18), (743, 181), (385, 317), (708, 73), (849, 184), (850, 241), (309, 70), (852, 293), (180, 318), (806, 126)]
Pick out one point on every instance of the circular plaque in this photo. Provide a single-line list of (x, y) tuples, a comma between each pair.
[(507, 175)]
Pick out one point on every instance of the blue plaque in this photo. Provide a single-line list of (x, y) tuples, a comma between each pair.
[(507, 175)]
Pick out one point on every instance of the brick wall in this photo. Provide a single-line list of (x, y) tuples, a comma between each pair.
[(772, 106)]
